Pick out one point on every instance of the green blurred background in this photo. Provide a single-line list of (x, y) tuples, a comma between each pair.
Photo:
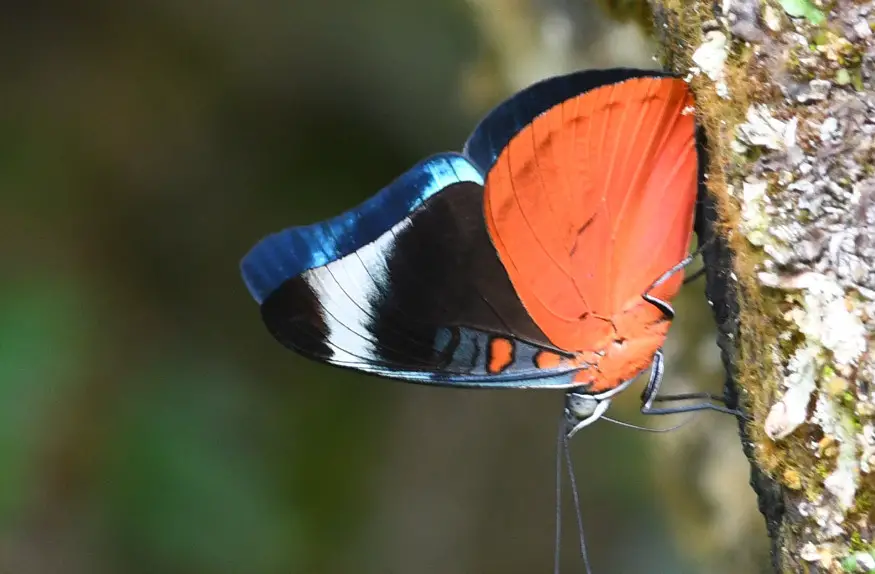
[(149, 424)]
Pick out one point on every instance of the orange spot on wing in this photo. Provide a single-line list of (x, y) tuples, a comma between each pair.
[(500, 355), (547, 360), (591, 203)]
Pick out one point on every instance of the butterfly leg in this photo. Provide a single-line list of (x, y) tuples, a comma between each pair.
[(663, 305), (651, 394), (698, 273), (657, 370), (688, 397)]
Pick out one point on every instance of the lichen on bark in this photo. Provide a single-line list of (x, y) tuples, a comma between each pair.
[(785, 96)]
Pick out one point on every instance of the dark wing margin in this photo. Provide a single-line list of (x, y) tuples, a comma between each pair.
[(499, 126), (407, 285)]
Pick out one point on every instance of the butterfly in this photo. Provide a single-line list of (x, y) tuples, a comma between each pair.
[(544, 255)]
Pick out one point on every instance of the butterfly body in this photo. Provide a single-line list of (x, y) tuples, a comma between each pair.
[(533, 259)]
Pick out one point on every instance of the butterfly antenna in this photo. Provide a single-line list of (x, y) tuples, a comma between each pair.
[(559, 442), (647, 429), (576, 498)]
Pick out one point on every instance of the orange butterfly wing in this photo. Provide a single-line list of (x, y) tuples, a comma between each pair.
[(592, 202)]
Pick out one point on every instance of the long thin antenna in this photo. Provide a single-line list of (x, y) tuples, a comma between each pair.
[(576, 498), (647, 429), (558, 550)]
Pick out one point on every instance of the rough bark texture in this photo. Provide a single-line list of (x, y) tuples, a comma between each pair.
[(785, 96)]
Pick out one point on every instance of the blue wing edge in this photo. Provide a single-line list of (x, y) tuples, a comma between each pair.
[(290, 252)]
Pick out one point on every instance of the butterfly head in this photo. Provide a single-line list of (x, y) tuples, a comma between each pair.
[(584, 407)]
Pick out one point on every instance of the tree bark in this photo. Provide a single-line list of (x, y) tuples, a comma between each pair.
[(785, 97)]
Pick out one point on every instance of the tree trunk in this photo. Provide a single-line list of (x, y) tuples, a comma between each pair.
[(784, 94)]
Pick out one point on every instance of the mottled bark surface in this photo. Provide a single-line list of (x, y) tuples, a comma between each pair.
[(784, 91)]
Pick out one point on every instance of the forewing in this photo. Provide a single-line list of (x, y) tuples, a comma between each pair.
[(407, 285)]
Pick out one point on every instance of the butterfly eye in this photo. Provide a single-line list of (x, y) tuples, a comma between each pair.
[(580, 406)]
